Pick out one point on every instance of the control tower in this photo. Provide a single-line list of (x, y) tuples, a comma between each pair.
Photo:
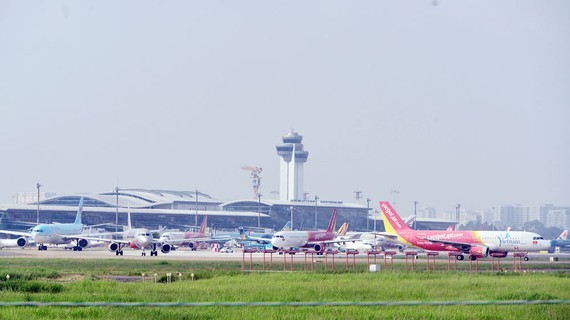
[(291, 166)]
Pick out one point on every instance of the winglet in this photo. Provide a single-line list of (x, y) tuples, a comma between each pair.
[(79, 212), (332, 222)]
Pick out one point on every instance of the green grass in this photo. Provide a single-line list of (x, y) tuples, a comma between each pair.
[(57, 280)]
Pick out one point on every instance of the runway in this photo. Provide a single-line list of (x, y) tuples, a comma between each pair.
[(55, 252)]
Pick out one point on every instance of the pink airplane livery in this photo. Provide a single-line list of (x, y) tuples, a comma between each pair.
[(476, 244), (306, 239)]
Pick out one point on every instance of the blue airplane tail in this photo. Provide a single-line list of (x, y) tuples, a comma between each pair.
[(79, 212)]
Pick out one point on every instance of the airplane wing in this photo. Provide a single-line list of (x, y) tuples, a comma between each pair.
[(16, 233), (387, 235), (463, 246)]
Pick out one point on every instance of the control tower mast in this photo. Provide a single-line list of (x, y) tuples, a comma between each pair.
[(292, 160)]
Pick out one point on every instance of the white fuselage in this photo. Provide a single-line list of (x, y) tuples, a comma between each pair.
[(300, 239), (140, 238)]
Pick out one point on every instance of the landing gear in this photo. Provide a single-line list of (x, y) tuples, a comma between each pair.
[(472, 258), (77, 248), (41, 247), (460, 257), (119, 252), (526, 258)]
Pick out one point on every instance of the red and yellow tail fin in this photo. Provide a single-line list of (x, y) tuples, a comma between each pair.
[(343, 229), (204, 224), (332, 222), (392, 221)]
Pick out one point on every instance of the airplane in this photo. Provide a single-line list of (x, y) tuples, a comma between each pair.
[(261, 238), (55, 233), (137, 238), (476, 244), (316, 240), (368, 241), (191, 239)]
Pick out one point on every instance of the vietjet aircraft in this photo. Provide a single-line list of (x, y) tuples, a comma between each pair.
[(477, 244), (138, 238), (55, 233), (191, 239), (306, 239)]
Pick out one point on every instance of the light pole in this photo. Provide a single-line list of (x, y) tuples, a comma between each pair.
[(117, 209), (196, 212), (367, 213), (416, 215), (316, 198), (258, 210), (457, 210), (38, 185), (291, 208)]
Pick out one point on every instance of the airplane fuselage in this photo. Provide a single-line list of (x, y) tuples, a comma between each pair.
[(54, 233), (496, 241), (300, 239)]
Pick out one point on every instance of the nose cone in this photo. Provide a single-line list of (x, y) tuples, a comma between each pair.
[(144, 241)]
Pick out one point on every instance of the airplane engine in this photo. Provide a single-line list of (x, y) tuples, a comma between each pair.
[(193, 245), (498, 254), (83, 243), (478, 252), (22, 242), (275, 248), (319, 247), (113, 247), (165, 248)]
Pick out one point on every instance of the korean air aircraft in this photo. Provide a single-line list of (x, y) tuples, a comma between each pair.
[(476, 244), (55, 233)]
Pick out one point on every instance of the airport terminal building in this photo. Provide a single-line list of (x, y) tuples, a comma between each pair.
[(148, 208)]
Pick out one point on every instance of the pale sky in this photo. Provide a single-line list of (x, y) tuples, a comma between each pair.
[(447, 102)]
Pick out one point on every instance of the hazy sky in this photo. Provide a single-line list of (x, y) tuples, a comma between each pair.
[(447, 102)]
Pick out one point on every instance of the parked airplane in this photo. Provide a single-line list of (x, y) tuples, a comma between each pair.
[(368, 241), (191, 239), (477, 244), (265, 239), (317, 240), (138, 238), (55, 233)]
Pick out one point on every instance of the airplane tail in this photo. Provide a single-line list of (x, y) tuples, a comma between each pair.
[(563, 235), (129, 225), (392, 221), (203, 226), (332, 222), (243, 235), (343, 229), (79, 212), (287, 226)]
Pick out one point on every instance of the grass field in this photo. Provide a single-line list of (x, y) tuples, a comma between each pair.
[(51, 280)]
